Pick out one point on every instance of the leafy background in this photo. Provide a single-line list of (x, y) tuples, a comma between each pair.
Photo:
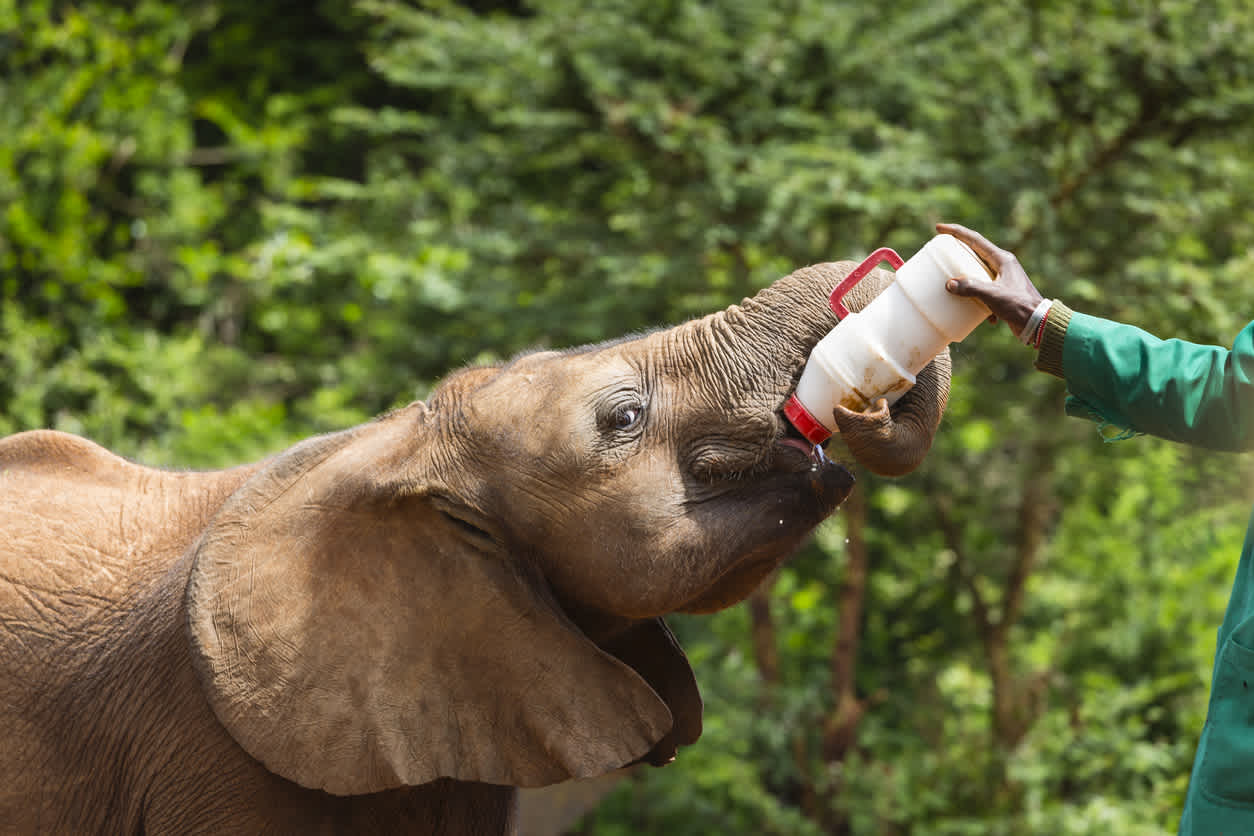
[(227, 225)]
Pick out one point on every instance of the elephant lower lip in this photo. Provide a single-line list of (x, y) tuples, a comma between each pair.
[(797, 444)]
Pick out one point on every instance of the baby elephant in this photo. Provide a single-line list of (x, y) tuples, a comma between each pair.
[(388, 629)]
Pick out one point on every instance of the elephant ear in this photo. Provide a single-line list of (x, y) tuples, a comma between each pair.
[(652, 650), (355, 631)]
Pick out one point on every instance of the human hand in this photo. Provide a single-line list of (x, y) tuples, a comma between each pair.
[(1011, 298)]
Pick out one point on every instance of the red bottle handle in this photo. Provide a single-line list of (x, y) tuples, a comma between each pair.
[(837, 300)]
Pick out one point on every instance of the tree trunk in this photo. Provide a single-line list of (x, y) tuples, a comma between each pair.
[(840, 728), (762, 627), (1017, 701)]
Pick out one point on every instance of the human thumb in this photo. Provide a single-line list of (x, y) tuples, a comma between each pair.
[(959, 286)]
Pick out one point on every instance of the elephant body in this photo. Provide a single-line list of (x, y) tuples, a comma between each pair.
[(388, 629)]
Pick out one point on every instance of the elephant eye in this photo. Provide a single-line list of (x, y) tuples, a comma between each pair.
[(626, 416)]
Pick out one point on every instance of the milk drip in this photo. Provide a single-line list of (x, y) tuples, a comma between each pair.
[(876, 352)]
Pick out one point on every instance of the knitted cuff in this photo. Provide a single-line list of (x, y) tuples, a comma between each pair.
[(1049, 356)]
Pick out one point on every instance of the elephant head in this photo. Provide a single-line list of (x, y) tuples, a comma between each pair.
[(472, 587)]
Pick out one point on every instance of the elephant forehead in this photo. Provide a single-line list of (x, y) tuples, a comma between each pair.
[(540, 399)]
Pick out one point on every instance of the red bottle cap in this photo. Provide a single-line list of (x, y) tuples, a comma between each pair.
[(805, 423)]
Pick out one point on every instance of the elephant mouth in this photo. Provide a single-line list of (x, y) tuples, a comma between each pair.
[(799, 454), (774, 513), (792, 451)]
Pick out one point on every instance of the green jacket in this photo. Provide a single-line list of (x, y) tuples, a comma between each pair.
[(1200, 395)]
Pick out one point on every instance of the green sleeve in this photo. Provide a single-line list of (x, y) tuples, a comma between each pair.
[(1120, 375)]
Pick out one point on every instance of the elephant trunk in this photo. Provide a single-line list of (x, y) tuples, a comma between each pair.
[(763, 343)]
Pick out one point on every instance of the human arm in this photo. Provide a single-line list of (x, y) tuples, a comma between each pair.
[(1121, 375)]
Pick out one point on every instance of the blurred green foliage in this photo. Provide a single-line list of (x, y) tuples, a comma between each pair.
[(227, 225)]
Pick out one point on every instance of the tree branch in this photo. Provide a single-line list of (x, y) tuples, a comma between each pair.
[(220, 155), (953, 540), (1106, 156), (1032, 517)]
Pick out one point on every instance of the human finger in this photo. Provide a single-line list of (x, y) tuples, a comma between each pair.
[(989, 252)]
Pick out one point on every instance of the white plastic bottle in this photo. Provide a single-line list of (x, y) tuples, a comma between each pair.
[(876, 352)]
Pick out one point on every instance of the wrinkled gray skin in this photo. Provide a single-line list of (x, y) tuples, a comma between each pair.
[(386, 629)]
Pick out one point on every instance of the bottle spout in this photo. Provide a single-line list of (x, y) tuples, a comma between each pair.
[(805, 423)]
